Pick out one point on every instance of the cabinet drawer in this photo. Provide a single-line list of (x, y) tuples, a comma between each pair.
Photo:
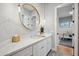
[(25, 52), (39, 49), (65, 50), (43, 49)]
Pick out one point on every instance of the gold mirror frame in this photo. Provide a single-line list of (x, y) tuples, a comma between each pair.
[(20, 15)]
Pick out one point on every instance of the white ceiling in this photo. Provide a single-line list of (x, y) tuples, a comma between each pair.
[(53, 4)]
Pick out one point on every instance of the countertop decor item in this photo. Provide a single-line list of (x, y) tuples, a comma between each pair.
[(15, 38), (41, 30)]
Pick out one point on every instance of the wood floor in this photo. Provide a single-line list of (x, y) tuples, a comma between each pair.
[(65, 50), (61, 51)]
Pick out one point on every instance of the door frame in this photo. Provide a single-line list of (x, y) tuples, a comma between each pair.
[(75, 30)]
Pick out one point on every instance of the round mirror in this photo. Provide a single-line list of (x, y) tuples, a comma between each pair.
[(30, 17)]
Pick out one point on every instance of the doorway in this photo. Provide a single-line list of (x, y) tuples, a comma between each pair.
[(65, 26)]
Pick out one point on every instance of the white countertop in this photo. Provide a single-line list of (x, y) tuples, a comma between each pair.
[(8, 47)]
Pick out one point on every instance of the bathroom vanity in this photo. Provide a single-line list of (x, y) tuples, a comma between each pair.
[(28, 46)]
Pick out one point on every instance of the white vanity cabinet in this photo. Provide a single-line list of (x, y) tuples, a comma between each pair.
[(42, 48), (48, 44), (39, 49), (24, 52), (32, 47)]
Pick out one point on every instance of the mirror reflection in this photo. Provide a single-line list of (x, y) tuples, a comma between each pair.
[(65, 15), (65, 22), (29, 16)]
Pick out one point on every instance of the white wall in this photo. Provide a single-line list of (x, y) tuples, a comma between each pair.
[(9, 21), (50, 20)]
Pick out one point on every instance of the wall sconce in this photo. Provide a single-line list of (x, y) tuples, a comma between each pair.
[(19, 9)]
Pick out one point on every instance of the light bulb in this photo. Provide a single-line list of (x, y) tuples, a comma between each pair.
[(19, 9), (71, 12)]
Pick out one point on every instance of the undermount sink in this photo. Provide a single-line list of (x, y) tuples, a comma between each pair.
[(42, 36), (37, 36)]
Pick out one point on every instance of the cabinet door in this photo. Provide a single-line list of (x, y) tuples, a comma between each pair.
[(39, 49), (25, 52), (48, 44)]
